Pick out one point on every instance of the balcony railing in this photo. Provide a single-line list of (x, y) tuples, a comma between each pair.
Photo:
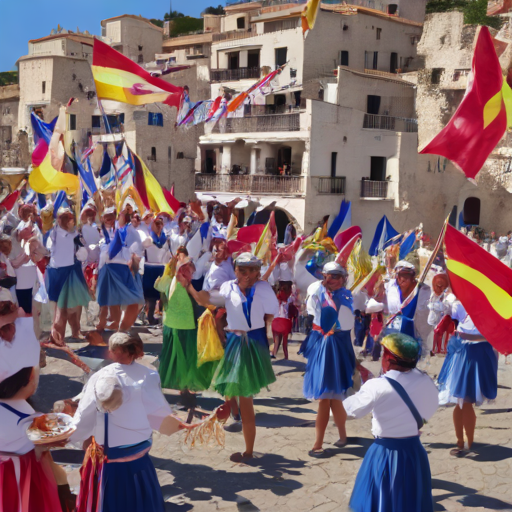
[(226, 75), (330, 185), (250, 183), (265, 123), (378, 189), (394, 124)]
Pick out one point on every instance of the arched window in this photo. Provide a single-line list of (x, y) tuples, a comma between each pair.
[(472, 211)]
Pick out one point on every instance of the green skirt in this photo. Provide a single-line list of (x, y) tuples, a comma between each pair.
[(246, 367), (178, 362)]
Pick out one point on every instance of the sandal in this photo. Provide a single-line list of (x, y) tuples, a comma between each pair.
[(319, 454), (459, 453), (240, 458)]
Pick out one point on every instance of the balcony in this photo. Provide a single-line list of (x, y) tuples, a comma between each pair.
[(250, 184), (227, 75), (329, 185), (374, 189), (265, 123), (394, 124)]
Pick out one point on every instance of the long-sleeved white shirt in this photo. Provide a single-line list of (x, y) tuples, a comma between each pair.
[(391, 417), (143, 409)]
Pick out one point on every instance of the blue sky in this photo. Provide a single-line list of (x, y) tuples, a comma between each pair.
[(21, 20)]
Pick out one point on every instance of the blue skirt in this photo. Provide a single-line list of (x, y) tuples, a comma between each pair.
[(131, 486), (331, 365), (469, 373), (67, 286), (394, 477), (151, 274), (117, 286)]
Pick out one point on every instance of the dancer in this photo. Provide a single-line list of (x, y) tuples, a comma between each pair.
[(395, 474), (246, 367), (157, 255), (282, 323), (438, 307), (178, 360), (469, 376), (121, 406), (66, 283), (119, 281), (329, 351), (26, 480)]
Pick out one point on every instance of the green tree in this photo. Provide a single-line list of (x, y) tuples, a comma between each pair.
[(214, 10), (158, 23)]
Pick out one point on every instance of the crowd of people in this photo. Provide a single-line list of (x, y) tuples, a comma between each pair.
[(179, 272)]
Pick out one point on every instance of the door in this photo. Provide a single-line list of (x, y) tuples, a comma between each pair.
[(280, 103), (234, 60), (378, 168), (471, 212), (372, 104), (210, 161), (284, 158), (281, 56), (253, 59), (393, 62)]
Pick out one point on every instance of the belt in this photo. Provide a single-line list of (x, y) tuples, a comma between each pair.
[(320, 330), (130, 457)]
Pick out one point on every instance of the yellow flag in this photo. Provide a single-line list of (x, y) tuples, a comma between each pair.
[(44, 179), (309, 15)]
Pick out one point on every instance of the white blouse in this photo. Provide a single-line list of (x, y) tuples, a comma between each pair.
[(143, 410), (217, 275), (61, 244), (264, 303), (13, 435), (391, 417)]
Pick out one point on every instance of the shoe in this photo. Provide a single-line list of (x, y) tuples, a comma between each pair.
[(236, 426), (272, 356)]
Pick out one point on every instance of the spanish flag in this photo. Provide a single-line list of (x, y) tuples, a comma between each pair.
[(309, 14), (118, 78), (483, 284), (483, 115)]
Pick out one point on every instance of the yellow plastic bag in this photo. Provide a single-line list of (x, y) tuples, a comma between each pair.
[(209, 347)]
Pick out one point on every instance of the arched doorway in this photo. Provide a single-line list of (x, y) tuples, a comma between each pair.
[(471, 211), (282, 220)]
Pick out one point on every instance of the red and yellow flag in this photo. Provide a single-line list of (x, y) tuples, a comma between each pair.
[(309, 14), (483, 115), (483, 284), (118, 78)]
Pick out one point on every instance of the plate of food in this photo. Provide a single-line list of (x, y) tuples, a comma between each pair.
[(51, 428)]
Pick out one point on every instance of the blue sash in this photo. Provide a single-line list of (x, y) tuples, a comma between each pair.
[(249, 295), (21, 415), (407, 400)]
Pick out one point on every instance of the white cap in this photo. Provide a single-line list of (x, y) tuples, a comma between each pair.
[(247, 259), (109, 393), (22, 352), (334, 268), (5, 295), (109, 210), (405, 265), (129, 201), (187, 219), (374, 307)]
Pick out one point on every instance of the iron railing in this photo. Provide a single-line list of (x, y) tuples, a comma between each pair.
[(330, 185), (265, 123), (377, 189), (225, 75), (250, 183), (394, 124)]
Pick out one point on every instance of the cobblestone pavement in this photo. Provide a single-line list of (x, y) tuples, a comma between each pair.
[(283, 477)]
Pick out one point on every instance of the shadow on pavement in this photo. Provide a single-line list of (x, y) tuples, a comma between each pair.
[(469, 497), (272, 475), (53, 387), (480, 452), (495, 411)]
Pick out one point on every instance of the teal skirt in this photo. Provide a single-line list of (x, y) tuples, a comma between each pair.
[(178, 362), (246, 367)]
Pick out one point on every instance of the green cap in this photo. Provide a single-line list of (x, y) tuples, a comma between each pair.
[(403, 346)]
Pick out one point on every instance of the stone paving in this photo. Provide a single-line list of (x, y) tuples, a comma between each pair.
[(283, 477)]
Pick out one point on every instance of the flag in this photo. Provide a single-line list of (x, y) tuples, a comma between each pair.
[(483, 284), (250, 234), (41, 129), (308, 15), (9, 202), (60, 200), (267, 241), (344, 217), (238, 101), (118, 78), (481, 119), (407, 314), (384, 232), (171, 200), (407, 245), (44, 179)]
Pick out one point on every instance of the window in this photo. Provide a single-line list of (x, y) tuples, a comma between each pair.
[(253, 59), (153, 154), (343, 58), (155, 119), (234, 60), (436, 75), (169, 153), (372, 104), (378, 168), (293, 73), (334, 156), (280, 56), (179, 156), (72, 122), (44, 87), (393, 9), (378, 33), (140, 48), (140, 59), (96, 121), (240, 23)]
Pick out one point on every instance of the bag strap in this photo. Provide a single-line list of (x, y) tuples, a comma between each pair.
[(407, 400), (21, 415)]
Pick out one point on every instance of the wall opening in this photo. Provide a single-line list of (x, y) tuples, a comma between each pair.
[(378, 168), (471, 212)]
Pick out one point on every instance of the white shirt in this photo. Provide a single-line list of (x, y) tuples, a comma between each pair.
[(314, 307), (92, 237), (264, 303), (176, 240), (466, 325), (391, 417), (157, 255), (61, 244), (123, 256), (26, 274), (143, 409), (217, 275), (13, 435)]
